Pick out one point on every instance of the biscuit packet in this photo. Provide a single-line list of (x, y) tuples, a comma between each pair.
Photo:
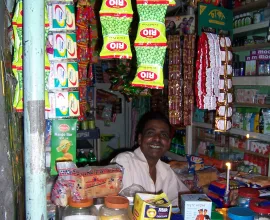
[(63, 142), (85, 182)]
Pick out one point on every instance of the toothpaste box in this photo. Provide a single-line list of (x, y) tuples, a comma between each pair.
[(60, 75), (71, 46), (73, 78), (58, 16), (59, 45), (70, 17), (74, 104), (151, 206), (61, 104), (196, 206)]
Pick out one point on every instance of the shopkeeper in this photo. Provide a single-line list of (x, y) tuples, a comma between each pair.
[(143, 166)]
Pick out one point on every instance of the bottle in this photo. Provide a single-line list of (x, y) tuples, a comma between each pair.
[(235, 22), (248, 19), (91, 158), (80, 210), (91, 120), (82, 159), (261, 121), (243, 19)]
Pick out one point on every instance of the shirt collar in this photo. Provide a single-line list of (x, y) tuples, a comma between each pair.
[(161, 166)]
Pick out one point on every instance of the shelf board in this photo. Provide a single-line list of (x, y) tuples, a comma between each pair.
[(251, 80), (203, 125), (251, 105), (249, 152), (251, 47), (236, 131), (175, 156), (250, 7), (254, 135), (250, 28)]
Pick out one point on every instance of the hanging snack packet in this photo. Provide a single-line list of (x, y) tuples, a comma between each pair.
[(150, 62), (115, 17)]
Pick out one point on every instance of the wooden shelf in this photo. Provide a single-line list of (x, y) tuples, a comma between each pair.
[(250, 28), (236, 131), (251, 80), (251, 47), (250, 7), (249, 152), (251, 105)]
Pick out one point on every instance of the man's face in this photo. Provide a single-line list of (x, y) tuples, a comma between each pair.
[(205, 212), (155, 139)]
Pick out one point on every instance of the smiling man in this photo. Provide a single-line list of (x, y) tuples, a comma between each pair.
[(143, 166)]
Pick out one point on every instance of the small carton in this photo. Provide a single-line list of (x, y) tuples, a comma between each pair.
[(71, 46), (151, 206), (59, 45), (60, 75), (253, 63), (74, 104), (70, 17), (61, 104), (196, 206), (73, 78), (58, 16), (263, 52)]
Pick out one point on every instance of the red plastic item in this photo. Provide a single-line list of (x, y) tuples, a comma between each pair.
[(248, 192), (253, 205)]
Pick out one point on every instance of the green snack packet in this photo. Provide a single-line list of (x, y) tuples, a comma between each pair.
[(150, 62), (115, 35), (63, 142), (152, 12)]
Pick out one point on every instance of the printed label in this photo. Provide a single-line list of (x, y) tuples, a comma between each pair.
[(59, 16), (147, 75), (150, 33), (116, 3), (116, 46), (59, 45)]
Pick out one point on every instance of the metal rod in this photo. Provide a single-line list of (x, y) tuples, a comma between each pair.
[(34, 109)]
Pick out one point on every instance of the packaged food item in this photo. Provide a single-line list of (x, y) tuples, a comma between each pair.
[(116, 17), (196, 206), (85, 182), (114, 208), (150, 206), (80, 210), (63, 142), (194, 163)]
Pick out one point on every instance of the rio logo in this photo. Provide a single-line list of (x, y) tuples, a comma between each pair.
[(149, 33), (147, 76), (116, 3), (116, 46)]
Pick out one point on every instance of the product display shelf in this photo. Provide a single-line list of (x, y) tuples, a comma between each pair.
[(236, 131), (251, 47), (251, 80), (249, 152), (252, 6), (175, 156), (251, 27), (251, 105)]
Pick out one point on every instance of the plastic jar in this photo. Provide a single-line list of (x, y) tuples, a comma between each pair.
[(115, 208), (245, 195), (80, 210), (261, 212), (239, 213)]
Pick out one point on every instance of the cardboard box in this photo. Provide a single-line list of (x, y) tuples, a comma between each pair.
[(151, 206), (195, 205)]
